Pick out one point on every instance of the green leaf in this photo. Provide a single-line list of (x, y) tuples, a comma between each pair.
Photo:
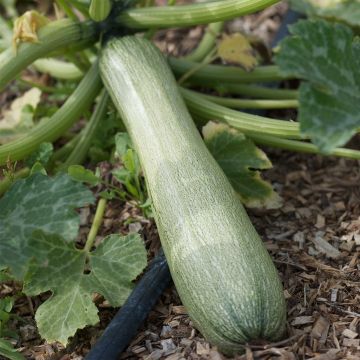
[(240, 160), (79, 173), (346, 11), (7, 350), (38, 202), (41, 155), (63, 270), (122, 143), (326, 57)]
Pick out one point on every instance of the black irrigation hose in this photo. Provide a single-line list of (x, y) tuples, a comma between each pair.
[(133, 313)]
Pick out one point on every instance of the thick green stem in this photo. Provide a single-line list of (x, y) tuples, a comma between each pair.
[(79, 152), (7, 182), (225, 74), (251, 104), (56, 35), (51, 129), (58, 69), (100, 210), (189, 15), (247, 123), (207, 42), (300, 146), (261, 92)]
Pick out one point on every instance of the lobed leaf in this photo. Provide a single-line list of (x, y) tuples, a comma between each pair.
[(327, 58), (38, 203), (347, 11), (241, 161), (72, 275)]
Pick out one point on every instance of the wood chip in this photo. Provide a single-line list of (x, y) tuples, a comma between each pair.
[(351, 342), (179, 310), (202, 349), (350, 334), (323, 246), (320, 222), (302, 320), (320, 329)]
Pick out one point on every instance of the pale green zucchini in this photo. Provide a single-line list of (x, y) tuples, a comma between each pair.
[(222, 271)]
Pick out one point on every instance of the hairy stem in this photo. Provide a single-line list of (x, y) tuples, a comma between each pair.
[(251, 104), (100, 210), (207, 42), (247, 123), (53, 128), (56, 35), (189, 15), (79, 152), (225, 74), (300, 146)]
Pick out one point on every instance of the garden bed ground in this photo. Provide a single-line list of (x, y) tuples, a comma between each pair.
[(314, 240)]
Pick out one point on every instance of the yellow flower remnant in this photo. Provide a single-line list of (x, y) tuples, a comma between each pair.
[(26, 27)]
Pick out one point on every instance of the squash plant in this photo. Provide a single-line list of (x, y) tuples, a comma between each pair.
[(220, 267)]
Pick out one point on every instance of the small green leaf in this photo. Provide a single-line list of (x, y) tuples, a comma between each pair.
[(63, 270), (240, 160), (122, 175), (38, 168), (38, 202), (7, 350), (79, 173), (327, 58), (41, 155), (346, 11), (122, 143)]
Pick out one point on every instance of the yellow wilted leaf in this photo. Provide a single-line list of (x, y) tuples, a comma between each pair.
[(26, 27), (236, 49)]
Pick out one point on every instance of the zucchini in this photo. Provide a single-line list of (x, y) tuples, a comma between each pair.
[(220, 268)]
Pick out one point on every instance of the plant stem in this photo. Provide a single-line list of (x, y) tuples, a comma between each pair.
[(81, 148), (251, 104), (198, 66), (46, 89), (247, 123), (207, 42), (58, 69), (7, 182), (189, 15), (100, 210), (257, 91), (67, 9), (53, 128), (56, 35), (300, 146), (225, 74)]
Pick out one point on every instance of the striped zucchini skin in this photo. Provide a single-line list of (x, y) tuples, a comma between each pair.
[(222, 271)]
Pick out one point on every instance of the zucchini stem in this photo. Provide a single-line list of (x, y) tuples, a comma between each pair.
[(252, 104), (189, 15), (207, 43), (54, 36), (81, 148), (99, 214), (53, 128), (300, 146), (225, 74), (247, 123)]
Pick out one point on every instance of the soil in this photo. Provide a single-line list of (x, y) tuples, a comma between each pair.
[(314, 240)]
